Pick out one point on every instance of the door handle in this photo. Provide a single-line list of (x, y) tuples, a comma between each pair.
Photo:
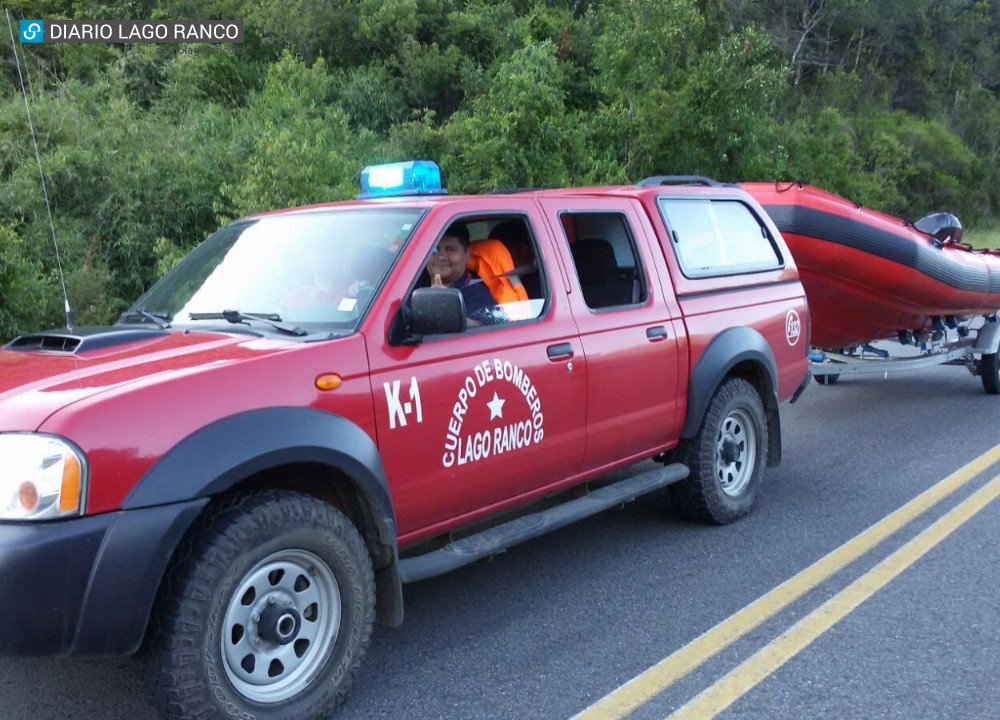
[(561, 351), (656, 333)]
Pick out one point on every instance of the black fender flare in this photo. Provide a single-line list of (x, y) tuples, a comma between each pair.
[(731, 347), (218, 456)]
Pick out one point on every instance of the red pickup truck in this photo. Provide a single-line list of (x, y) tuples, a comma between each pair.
[(319, 405)]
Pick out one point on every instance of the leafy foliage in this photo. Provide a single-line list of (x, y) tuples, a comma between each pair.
[(28, 294), (146, 149), (298, 146), (516, 132)]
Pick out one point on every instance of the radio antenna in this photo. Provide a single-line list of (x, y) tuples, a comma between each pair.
[(38, 158)]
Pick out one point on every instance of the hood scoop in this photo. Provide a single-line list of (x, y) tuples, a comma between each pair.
[(79, 340)]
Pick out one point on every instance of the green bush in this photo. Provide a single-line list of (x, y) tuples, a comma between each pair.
[(146, 150), (31, 300)]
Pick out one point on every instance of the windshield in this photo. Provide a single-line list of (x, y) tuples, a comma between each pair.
[(318, 268)]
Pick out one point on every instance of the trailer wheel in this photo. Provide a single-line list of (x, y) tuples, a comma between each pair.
[(989, 371), (267, 612), (827, 379), (726, 458)]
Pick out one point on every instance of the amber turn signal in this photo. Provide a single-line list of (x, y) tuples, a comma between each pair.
[(329, 381), (69, 495)]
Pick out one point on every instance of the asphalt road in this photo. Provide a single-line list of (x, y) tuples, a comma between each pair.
[(551, 627)]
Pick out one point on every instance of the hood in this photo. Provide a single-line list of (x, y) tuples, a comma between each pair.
[(41, 373)]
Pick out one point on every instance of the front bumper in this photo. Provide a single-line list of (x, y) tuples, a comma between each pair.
[(85, 586)]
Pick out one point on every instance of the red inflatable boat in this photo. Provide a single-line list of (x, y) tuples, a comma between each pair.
[(870, 276)]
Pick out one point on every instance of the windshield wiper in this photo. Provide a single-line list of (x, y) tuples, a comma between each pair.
[(161, 320), (235, 316)]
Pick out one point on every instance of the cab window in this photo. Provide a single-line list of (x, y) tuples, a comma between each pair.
[(494, 262)]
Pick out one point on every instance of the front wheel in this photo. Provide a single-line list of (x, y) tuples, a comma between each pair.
[(267, 614), (989, 371), (726, 458)]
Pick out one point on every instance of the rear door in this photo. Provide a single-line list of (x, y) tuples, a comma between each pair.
[(471, 423), (629, 327)]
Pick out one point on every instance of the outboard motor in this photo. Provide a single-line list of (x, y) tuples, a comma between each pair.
[(943, 226)]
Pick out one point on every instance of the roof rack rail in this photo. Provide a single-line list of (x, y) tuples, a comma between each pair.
[(678, 180)]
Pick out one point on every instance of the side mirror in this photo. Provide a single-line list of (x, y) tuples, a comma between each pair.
[(434, 311)]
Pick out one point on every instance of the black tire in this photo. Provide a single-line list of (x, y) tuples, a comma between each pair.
[(989, 371), (726, 458), (267, 612), (827, 379)]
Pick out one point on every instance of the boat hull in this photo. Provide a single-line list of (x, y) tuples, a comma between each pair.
[(869, 275)]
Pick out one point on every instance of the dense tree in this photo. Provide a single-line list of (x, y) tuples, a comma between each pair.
[(516, 132), (146, 149), (28, 296), (297, 146)]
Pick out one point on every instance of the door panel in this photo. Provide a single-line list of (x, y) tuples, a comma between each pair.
[(630, 341), (470, 422)]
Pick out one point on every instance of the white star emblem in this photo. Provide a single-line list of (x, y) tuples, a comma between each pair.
[(496, 407)]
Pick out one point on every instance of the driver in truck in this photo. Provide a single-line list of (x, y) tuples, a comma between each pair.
[(448, 267)]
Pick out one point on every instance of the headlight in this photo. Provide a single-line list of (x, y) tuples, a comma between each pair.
[(41, 477)]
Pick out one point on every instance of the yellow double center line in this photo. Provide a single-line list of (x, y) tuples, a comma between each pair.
[(665, 673)]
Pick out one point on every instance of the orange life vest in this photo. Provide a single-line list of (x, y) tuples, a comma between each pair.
[(491, 261)]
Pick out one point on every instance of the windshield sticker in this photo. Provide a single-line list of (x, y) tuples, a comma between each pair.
[(504, 413), (399, 411)]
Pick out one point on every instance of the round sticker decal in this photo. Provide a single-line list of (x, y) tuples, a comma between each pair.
[(793, 327)]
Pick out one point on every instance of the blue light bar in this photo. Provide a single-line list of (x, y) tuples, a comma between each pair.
[(415, 177)]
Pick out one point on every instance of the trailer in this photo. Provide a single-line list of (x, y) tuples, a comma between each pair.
[(972, 345)]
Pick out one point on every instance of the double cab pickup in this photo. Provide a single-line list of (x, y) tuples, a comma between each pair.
[(319, 405)]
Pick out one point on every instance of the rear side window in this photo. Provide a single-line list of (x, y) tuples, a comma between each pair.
[(605, 259), (718, 237)]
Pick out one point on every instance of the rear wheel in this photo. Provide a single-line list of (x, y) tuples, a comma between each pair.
[(726, 457), (989, 371), (267, 615)]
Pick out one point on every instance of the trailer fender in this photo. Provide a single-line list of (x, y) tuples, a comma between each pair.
[(988, 339)]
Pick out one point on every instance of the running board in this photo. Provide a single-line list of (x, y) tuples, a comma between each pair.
[(497, 539)]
